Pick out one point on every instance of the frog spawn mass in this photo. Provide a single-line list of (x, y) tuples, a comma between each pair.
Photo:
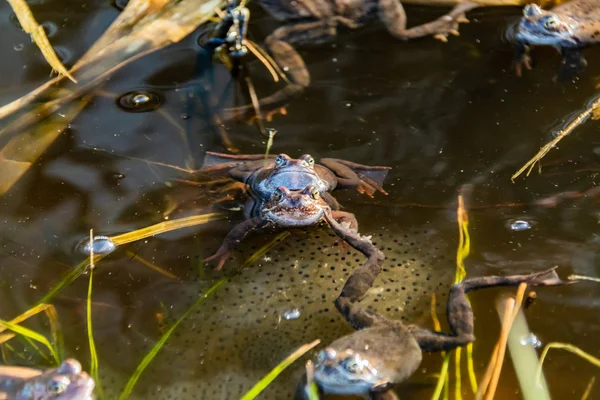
[(240, 332)]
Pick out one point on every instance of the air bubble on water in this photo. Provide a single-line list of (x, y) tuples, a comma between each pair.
[(519, 225), (101, 244), (531, 340), (18, 47), (50, 28), (291, 314), (139, 101)]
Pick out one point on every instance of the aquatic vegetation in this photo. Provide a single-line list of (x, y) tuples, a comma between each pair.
[(30, 26)]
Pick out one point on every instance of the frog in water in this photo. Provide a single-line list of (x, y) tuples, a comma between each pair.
[(384, 352), (67, 382), (317, 21), (285, 192), (569, 28)]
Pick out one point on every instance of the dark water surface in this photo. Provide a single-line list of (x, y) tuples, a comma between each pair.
[(442, 115)]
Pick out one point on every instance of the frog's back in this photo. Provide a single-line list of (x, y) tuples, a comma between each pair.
[(586, 13)]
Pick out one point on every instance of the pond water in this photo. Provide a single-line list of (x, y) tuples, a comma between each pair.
[(441, 115)]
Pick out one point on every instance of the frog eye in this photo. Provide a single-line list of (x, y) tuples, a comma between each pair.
[(58, 384), (280, 161), (278, 194), (308, 160), (551, 22), (314, 193), (352, 365)]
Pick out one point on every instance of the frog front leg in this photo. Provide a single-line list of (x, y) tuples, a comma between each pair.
[(234, 237), (392, 13), (522, 58), (460, 314)]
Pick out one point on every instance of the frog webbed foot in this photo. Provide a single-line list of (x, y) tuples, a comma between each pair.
[(450, 22)]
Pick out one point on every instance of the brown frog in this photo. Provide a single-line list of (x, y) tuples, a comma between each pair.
[(316, 21), (569, 28), (384, 352), (286, 192), (67, 382)]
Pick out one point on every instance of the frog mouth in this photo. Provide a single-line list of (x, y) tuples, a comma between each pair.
[(293, 215)]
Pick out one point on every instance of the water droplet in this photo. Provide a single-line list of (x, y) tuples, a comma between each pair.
[(291, 314), (139, 101), (18, 47), (531, 340), (120, 4), (101, 245), (519, 225)]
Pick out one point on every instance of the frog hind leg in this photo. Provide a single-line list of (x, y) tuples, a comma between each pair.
[(280, 46), (239, 167), (364, 178), (392, 13), (362, 278), (460, 314), (234, 237)]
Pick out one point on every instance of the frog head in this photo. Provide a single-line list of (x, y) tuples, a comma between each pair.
[(346, 371), (544, 27), (284, 163), (67, 382), (294, 207), (368, 360)]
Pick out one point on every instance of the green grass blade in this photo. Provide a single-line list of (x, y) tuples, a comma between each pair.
[(154, 351), (94, 365), (270, 377), (442, 378), (56, 331), (29, 334)]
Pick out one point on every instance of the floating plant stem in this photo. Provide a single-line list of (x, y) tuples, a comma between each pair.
[(37, 33), (590, 111), (270, 377), (583, 278), (588, 389), (163, 227), (151, 266), (271, 133), (154, 351)]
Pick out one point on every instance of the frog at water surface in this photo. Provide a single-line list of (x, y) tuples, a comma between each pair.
[(569, 28), (67, 382), (316, 21), (384, 352), (285, 192)]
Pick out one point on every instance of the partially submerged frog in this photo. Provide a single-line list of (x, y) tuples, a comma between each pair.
[(67, 382), (316, 21), (569, 28), (384, 352), (285, 192)]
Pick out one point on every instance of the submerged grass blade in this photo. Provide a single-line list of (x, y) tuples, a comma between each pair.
[(151, 266), (56, 330), (154, 351), (31, 335), (37, 33), (94, 366), (462, 252), (568, 347), (270, 377)]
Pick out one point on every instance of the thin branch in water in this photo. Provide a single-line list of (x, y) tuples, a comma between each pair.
[(591, 110)]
